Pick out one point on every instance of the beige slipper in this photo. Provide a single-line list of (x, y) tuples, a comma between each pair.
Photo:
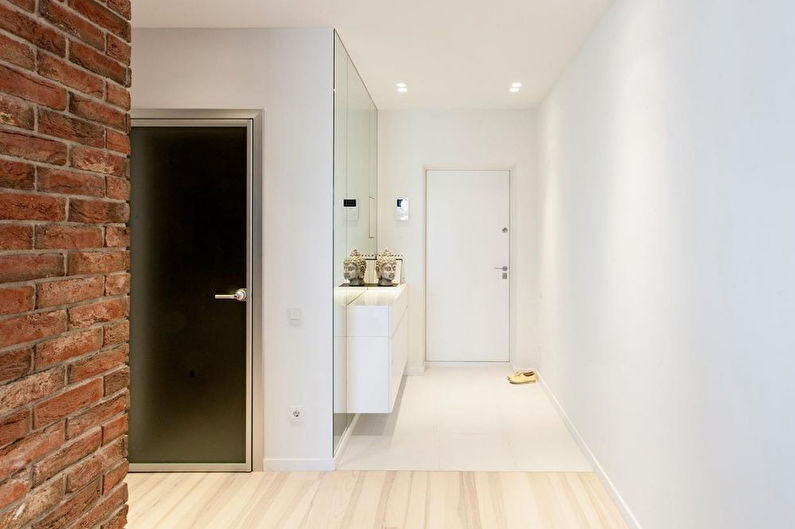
[(523, 377)]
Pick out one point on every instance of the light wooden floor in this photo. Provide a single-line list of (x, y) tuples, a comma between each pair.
[(372, 500)]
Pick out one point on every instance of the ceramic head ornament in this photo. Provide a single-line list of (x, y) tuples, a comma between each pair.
[(354, 267), (386, 268)]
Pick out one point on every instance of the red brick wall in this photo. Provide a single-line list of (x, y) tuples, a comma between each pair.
[(64, 262)]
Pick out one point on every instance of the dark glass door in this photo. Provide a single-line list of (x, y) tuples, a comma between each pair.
[(189, 351)]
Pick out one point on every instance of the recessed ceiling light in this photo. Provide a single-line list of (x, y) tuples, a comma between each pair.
[(400, 85), (516, 84), (513, 89), (402, 89)]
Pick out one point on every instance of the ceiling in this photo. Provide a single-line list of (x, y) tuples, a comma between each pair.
[(451, 53)]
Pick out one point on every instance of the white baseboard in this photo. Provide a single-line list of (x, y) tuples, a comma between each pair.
[(465, 364), (513, 366), (346, 435), (632, 522), (298, 465), (415, 370), (311, 465)]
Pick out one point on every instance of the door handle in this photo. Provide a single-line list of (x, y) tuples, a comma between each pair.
[(239, 295), (503, 268)]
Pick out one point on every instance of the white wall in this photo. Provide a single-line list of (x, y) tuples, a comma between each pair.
[(410, 141), (289, 74), (668, 250)]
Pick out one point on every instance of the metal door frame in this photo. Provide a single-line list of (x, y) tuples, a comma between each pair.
[(252, 121)]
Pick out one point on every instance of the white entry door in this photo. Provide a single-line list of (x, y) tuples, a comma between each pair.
[(467, 255)]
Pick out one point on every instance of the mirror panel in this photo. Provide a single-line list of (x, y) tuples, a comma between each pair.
[(355, 226)]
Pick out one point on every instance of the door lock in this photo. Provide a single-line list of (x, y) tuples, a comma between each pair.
[(239, 295)]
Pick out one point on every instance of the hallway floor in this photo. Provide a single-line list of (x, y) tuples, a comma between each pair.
[(424, 466), (465, 418), (353, 500)]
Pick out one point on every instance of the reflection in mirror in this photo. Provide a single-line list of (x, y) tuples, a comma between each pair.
[(355, 215)]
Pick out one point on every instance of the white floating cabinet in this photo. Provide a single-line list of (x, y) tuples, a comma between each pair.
[(377, 337)]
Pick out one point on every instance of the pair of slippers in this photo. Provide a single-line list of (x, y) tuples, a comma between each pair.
[(523, 377)]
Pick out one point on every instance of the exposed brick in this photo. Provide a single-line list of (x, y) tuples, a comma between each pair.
[(16, 113), (118, 142), (23, 267), (16, 237), (98, 363), (60, 236), (98, 262), (66, 347), (72, 23), (18, 206), (117, 284), (117, 236), (30, 327), (29, 29), (68, 454), (99, 112), (114, 429), (99, 161), (17, 53), (29, 389), (68, 291), (14, 364), (64, 99), (13, 489), (118, 49), (117, 188), (66, 403), (118, 96), (104, 507), (122, 7), (16, 175), (99, 312), (99, 414), (119, 519), (69, 128), (95, 61), (95, 466), (31, 147), (102, 16), (115, 475), (22, 453), (15, 426), (72, 509), (117, 332), (63, 72), (70, 182), (117, 380), (16, 300), (39, 501), (30, 87), (98, 212), (28, 5)]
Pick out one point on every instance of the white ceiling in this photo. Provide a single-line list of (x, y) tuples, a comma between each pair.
[(451, 53)]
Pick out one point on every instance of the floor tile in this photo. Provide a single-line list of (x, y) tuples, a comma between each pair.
[(465, 418)]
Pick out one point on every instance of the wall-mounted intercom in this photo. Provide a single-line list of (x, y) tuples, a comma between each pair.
[(402, 209), (351, 207)]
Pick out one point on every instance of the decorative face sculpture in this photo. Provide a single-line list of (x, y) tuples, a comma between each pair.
[(353, 268), (386, 268), (388, 272)]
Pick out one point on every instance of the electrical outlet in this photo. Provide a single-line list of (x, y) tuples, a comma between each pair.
[(296, 414)]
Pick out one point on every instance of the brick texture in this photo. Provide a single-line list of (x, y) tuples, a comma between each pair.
[(64, 263)]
